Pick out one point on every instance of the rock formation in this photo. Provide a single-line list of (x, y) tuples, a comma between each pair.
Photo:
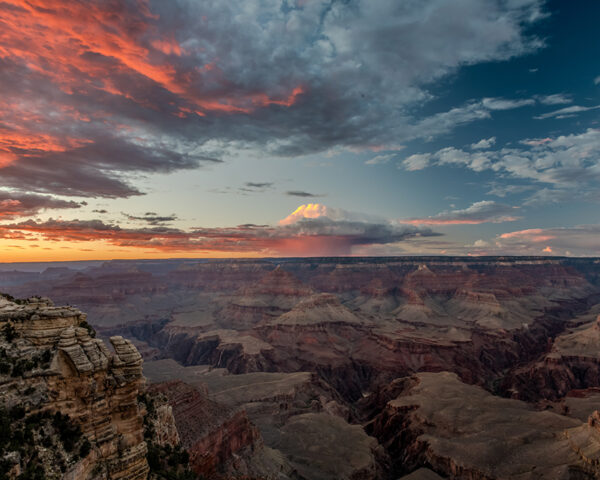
[(461, 431), (392, 366), (74, 399), (221, 441)]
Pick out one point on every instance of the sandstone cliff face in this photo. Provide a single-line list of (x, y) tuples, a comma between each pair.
[(78, 400)]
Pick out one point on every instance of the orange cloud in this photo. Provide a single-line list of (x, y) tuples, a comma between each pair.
[(531, 234), (90, 45), (18, 142), (310, 210)]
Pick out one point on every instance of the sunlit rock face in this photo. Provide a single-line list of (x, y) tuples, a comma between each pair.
[(78, 400)]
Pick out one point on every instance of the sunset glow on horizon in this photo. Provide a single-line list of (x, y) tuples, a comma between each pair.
[(148, 129)]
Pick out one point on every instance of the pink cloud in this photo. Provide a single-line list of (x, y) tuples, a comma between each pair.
[(532, 235)]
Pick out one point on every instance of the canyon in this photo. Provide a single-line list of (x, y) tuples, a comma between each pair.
[(321, 368)]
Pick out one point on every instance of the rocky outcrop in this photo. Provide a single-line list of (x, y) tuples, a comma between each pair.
[(83, 397), (461, 431), (573, 363), (212, 433), (161, 422)]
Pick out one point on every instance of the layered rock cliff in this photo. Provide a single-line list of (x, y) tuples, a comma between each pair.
[(69, 405), (315, 350), (221, 441)]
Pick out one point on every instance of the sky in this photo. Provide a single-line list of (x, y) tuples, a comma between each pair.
[(247, 128)]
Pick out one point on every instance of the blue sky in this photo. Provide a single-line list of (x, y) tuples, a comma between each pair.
[(435, 127)]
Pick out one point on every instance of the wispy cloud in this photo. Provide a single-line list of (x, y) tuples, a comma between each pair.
[(579, 240), (568, 163), (417, 161), (500, 190), (506, 104), (255, 187), (152, 218), (303, 194), (380, 159), (485, 211), (555, 99), (566, 112), (484, 143)]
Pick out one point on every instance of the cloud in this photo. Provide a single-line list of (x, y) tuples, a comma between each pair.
[(318, 210), (152, 218), (484, 143), (503, 190), (485, 211), (255, 187), (259, 185), (477, 161), (13, 205), (300, 193), (380, 159), (566, 112), (444, 122), (94, 93), (597, 80), (415, 162), (506, 104), (581, 240), (549, 196), (568, 163), (536, 235), (334, 232), (555, 99), (481, 243)]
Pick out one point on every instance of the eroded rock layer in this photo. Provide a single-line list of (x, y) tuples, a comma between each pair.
[(353, 368), (75, 401), (461, 431)]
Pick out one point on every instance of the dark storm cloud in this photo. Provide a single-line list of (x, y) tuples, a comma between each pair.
[(137, 87), (14, 205)]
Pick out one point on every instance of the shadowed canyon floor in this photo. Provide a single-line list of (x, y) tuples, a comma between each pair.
[(360, 368)]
